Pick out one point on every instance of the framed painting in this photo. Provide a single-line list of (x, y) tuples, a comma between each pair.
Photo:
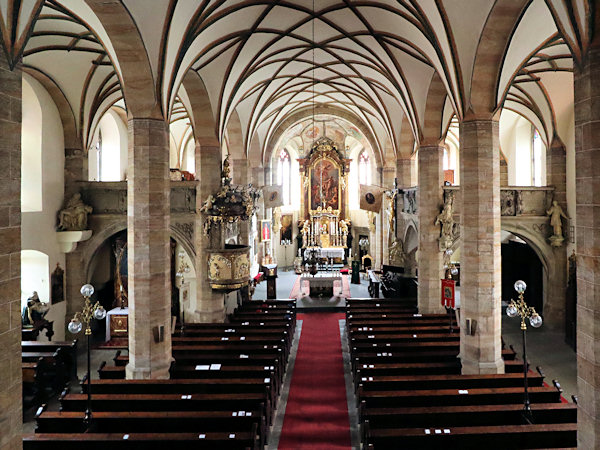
[(287, 223), (324, 185), (265, 230)]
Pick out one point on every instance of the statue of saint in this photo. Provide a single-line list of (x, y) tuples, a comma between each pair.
[(447, 221), (36, 310), (73, 217), (397, 254), (556, 212)]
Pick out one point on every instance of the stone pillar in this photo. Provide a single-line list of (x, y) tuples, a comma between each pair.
[(404, 172), (10, 257), (481, 279), (556, 175), (210, 306), (431, 179), (389, 174), (240, 169), (587, 154), (148, 217), (75, 170)]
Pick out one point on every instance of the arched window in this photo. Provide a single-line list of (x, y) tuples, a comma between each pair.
[(283, 174), (536, 158), (364, 168)]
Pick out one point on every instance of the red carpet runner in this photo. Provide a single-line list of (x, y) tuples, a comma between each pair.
[(316, 415)]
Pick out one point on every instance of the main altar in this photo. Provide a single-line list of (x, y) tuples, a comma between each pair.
[(324, 203)]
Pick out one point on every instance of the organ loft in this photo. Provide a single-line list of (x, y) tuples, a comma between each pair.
[(242, 224)]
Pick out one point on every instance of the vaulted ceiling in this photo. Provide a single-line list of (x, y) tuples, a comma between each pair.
[(266, 60)]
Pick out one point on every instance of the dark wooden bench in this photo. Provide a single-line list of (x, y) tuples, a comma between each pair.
[(102, 441), (68, 352), (473, 415), (446, 397), (488, 437), (111, 372)]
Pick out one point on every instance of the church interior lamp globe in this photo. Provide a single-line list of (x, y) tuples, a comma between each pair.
[(87, 290), (520, 286), (454, 270), (75, 326), (511, 311), (536, 320), (99, 313)]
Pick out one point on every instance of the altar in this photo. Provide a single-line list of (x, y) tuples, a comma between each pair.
[(117, 323), (327, 252), (322, 285)]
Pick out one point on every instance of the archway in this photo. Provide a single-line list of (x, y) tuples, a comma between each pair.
[(520, 261)]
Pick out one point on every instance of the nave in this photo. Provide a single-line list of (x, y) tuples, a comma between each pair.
[(402, 372)]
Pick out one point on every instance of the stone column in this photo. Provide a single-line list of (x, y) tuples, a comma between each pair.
[(10, 256), (587, 155), (240, 169), (431, 179), (75, 170), (480, 247), (404, 172), (389, 174), (210, 306), (556, 175), (148, 217)]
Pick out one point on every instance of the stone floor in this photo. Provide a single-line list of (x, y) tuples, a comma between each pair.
[(545, 348)]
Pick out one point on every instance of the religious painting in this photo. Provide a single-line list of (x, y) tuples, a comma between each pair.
[(325, 185), (57, 282), (286, 228), (265, 230)]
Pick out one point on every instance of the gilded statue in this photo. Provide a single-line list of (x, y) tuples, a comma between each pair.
[(73, 217), (306, 227), (556, 212), (343, 227)]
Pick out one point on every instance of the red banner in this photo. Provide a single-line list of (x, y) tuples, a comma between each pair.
[(448, 293)]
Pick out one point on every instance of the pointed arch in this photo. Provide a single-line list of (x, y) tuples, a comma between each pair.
[(138, 82), (205, 128), (489, 57)]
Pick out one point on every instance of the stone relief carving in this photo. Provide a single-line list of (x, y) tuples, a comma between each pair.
[(410, 201), (507, 202), (73, 217)]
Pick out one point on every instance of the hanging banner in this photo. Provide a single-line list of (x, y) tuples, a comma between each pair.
[(370, 197), (448, 299), (273, 196)]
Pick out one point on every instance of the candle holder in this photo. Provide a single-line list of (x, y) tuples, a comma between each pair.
[(89, 312), (520, 308)]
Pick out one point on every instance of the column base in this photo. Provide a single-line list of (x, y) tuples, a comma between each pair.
[(159, 372), (216, 316), (479, 367)]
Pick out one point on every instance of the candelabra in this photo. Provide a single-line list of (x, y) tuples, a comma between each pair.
[(89, 311), (520, 308)]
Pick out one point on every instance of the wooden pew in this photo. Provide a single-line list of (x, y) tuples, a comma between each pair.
[(68, 352), (102, 441), (439, 397), (111, 372), (473, 415)]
